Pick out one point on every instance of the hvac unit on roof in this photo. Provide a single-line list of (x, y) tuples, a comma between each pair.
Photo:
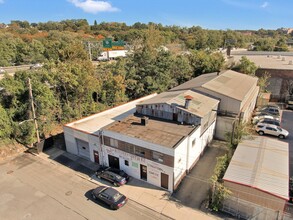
[(283, 58), (290, 62)]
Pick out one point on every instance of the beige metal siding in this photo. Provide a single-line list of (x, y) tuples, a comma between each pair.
[(256, 196)]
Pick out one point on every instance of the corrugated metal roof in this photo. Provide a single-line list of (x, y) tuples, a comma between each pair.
[(200, 105), (261, 163), (195, 82), (232, 84)]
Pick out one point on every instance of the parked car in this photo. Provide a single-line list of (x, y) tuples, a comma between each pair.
[(36, 66), (110, 196), (111, 177), (269, 121), (264, 115), (271, 110), (115, 170), (270, 106), (274, 130)]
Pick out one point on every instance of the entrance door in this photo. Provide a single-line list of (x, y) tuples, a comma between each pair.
[(164, 180), (114, 162), (143, 172), (96, 156), (83, 148), (175, 117)]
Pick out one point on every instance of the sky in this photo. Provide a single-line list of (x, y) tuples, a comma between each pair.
[(208, 14)]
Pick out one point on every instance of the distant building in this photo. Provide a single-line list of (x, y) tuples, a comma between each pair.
[(278, 64)]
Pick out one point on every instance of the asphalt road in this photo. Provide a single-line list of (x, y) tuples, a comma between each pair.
[(32, 188)]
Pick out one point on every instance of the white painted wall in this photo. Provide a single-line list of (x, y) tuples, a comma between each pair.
[(226, 103), (70, 136), (201, 142), (94, 144), (180, 160), (154, 169)]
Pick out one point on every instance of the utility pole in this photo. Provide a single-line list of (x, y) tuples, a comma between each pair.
[(90, 50), (33, 109)]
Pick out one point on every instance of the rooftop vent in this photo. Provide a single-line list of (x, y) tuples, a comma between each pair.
[(188, 98), (144, 121)]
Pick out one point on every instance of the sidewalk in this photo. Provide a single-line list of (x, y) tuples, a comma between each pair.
[(139, 191)]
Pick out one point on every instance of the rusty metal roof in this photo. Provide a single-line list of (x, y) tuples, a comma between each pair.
[(161, 132)]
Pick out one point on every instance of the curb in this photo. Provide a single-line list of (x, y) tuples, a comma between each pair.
[(93, 181)]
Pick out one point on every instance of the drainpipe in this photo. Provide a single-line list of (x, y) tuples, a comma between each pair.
[(102, 146)]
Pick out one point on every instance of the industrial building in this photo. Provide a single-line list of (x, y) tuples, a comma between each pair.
[(258, 177)]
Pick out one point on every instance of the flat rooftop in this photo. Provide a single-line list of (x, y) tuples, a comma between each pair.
[(161, 132), (267, 60), (94, 123)]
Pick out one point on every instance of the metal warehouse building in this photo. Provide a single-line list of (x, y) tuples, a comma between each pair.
[(258, 177)]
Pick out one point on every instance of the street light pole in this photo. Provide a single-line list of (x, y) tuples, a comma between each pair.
[(33, 109)]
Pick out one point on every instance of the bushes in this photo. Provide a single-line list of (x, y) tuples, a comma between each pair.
[(219, 191)]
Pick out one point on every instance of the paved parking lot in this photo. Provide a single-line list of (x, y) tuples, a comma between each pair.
[(287, 123)]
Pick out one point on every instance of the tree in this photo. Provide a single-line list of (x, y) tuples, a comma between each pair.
[(5, 124), (204, 62), (281, 45), (246, 66), (263, 81)]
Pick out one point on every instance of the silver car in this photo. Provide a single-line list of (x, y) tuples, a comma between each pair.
[(269, 129)]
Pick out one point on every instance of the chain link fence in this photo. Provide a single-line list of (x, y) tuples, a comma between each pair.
[(242, 209)]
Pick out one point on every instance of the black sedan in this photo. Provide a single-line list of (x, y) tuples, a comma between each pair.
[(110, 196), (112, 177), (117, 171)]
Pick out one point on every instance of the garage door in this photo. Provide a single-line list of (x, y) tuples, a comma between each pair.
[(83, 148)]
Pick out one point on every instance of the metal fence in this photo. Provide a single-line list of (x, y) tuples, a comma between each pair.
[(242, 209)]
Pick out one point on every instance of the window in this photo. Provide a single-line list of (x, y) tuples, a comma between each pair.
[(129, 148), (159, 157), (139, 151), (113, 142), (126, 162), (193, 143)]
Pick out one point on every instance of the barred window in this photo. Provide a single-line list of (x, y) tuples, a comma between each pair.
[(113, 142), (159, 157)]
